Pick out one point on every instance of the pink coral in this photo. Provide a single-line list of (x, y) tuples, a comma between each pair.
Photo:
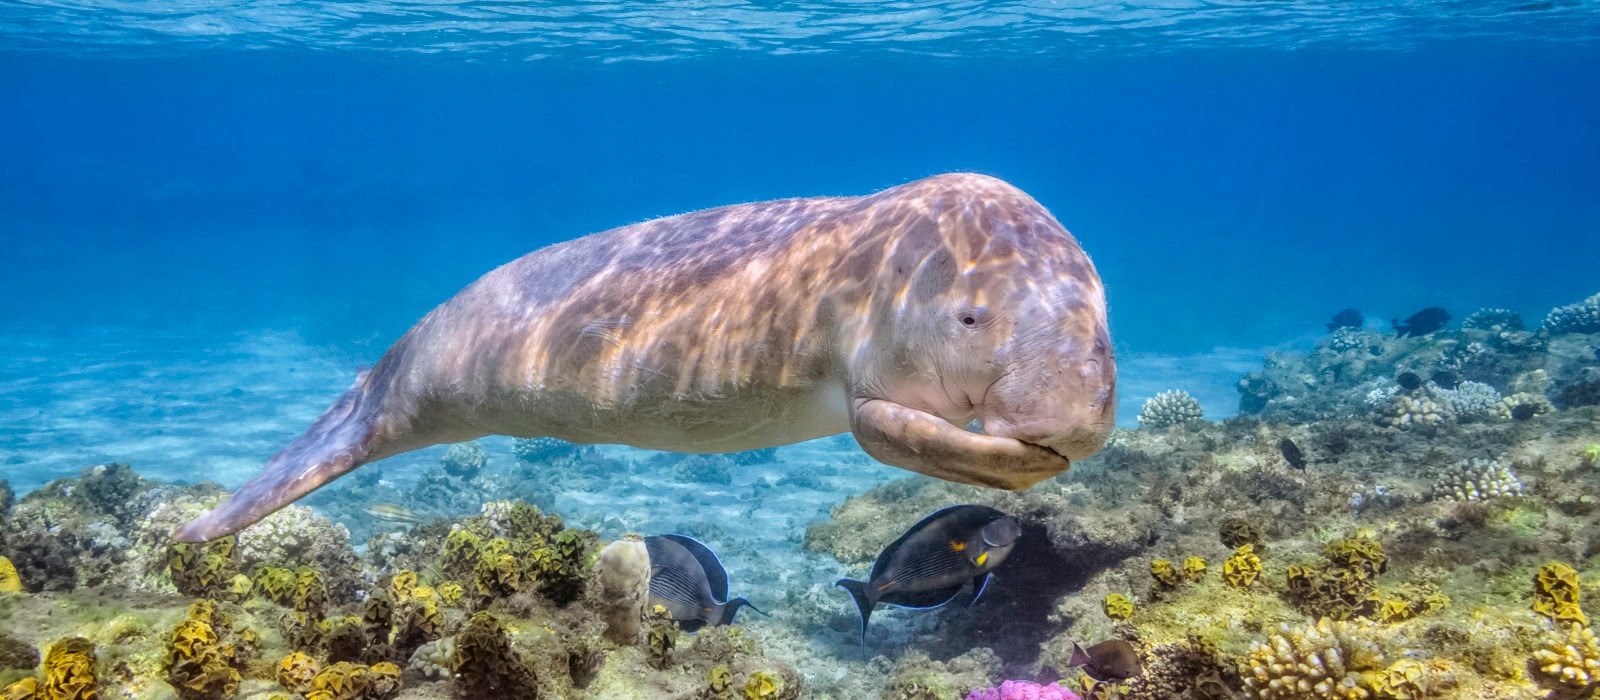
[(1023, 690)]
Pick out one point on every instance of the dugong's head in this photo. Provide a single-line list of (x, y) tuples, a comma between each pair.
[(984, 309)]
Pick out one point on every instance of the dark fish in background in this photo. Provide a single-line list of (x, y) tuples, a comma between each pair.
[(929, 564), (1110, 661), (1292, 454), (1523, 411), (1349, 318), (1409, 381), (1446, 379), (1421, 323), (689, 581)]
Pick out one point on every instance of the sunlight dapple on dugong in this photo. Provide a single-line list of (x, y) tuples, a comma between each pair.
[(900, 316)]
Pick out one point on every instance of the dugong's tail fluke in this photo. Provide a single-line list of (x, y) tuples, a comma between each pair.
[(339, 441)]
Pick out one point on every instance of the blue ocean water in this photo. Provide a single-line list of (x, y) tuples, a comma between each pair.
[(212, 214)]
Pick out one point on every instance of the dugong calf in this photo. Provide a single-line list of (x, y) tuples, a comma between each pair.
[(901, 316)]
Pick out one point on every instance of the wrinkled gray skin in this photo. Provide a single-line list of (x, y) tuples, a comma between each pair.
[(899, 316)]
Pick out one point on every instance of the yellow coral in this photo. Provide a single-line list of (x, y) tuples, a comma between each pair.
[(25, 689), (1401, 681), (69, 670), (1241, 569), (1194, 568), (385, 681), (310, 591), (342, 681), (1359, 554), (276, 584), (461, 551), (296, 671), (401, 585), (1555, 594), (1118, 606), (1572, 659), (10, 582), (450, 592), (1395, 610), (1163, 572), (762, 686), (719, 682), (197, 666), (240, 587)]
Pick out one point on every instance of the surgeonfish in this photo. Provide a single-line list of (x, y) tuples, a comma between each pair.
[(1110, 661), (1421, 323), (687, 578), (1349, 318), (929, 564)]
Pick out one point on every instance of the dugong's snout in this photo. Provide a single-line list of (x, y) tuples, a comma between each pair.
[(1064, 400)]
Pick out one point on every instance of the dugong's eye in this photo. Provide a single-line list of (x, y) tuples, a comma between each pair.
[(972, 316), (969, 320)]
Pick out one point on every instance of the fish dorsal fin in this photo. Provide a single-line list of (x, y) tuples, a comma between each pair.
[(675, 576), (716, 575), (922, 600), (885, 559), (1079, 657)]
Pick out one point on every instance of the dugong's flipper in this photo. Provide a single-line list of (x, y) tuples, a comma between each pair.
[(339, 441), (922, 442)]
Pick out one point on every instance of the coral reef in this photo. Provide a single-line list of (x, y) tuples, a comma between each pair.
[(623, 572), (1169, 408), (1494, 319), (1570, 661), (1333, 660), (199, 666), (464, 460), (69, 671), (1581, 317), (10, 580), (1477, 480), (1023, 690), (1556, 594), (1241, 569), (487, 665)]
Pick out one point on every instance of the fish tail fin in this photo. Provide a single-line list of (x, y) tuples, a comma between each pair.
[(1079, 657), (731, 608), (863, 597), (340, 440), (1399, 332)]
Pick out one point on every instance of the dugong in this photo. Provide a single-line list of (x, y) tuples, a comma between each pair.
[(901, 316)]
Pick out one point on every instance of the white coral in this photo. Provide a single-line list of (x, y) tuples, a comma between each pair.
[(1167, 408), (1327, 660), (1477, 480), (1469, 400), (1407, 412), (432, 660), (296, 536), (1582, 317)]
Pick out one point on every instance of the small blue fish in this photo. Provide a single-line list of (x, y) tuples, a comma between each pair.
[(929, 564)]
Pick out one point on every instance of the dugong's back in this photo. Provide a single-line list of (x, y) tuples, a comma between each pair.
[(710, 331), (899, 316)]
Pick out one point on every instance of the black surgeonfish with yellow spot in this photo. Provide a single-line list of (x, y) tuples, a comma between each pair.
[(929, 564), (689, 581)]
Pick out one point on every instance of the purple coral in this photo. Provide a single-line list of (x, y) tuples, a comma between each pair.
[(1023, 690)]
